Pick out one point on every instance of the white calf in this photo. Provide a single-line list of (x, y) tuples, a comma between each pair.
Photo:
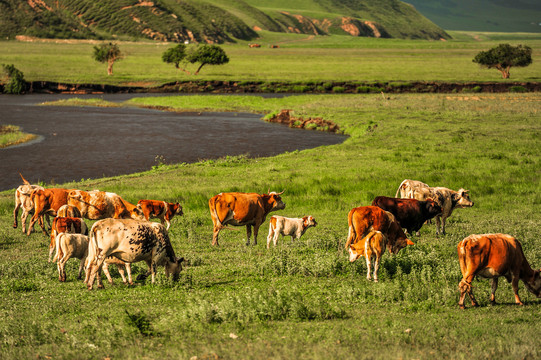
[(68, 246), (294, 227)]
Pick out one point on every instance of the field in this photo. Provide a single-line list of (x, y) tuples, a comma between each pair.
[(304, 299), (299, 58)]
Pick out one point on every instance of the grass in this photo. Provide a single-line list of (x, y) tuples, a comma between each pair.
[(298, 59), (304, 299), (12, 135)]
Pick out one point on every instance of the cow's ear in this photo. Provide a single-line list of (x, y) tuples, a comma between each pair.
[(138, 206)]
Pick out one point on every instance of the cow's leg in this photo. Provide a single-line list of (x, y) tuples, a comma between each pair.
[(443, 218), (128, 271), (494, 288), (249, 234), (105, 269), (62, 266), (81, 267), (24, 216), (52, 247), (256, 231), (153, 268), (270, 237), (95, 269), (215, 232), (514, 284), (32, 222), (42, 224), (368, 257), (16, 211), (465, 287), (376, 267), (438, 224)]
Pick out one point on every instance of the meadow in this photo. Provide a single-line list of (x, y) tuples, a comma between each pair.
[(304, 299), (299, 58)]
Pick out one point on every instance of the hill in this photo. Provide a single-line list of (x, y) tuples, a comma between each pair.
[(483, 15), (212, 21)]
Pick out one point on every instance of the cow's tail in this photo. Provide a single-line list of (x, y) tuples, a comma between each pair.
[(214, 213), (399, 188), (58, 253), (26, 182), (352, 234)]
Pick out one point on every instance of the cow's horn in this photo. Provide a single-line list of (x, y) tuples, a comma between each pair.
[(280, 193)]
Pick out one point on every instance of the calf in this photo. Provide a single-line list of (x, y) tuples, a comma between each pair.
[(372, 246), (76, 246), (130, 241), (160, 209), (294, 227), (65, 225), (68, 211), (410, 213), (492, 256)]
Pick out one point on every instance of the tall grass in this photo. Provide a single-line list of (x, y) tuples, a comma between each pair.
[(303, 298)]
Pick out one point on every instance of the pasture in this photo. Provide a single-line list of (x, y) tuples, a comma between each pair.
[(299, 58), (304, 299)]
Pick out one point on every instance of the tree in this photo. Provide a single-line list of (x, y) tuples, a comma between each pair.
[(108, 53), (207, 54), (175, 55), (15, 83), (503, 56)]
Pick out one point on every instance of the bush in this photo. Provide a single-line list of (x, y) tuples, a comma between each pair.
[(517, 89), (338, 89), (15, 83)]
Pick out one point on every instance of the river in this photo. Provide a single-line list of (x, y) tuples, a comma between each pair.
[(94, 142)]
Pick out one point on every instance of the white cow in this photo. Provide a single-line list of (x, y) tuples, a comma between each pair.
[(24, 202), (130, 241), (294, 227)]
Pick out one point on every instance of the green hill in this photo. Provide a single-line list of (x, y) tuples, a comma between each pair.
[(211, 20), (483, 15)]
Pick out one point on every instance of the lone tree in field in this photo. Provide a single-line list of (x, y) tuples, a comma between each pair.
[(207, 54), (108, 53), (503, 56), (13, 79), (176, 55)]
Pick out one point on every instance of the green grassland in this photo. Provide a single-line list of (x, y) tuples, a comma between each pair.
[(12, 135), (304, 299), (298, 59)]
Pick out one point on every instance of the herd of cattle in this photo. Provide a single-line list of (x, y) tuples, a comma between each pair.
[(123, 233)]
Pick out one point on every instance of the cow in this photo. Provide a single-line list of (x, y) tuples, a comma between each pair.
[(46, 202), (239, 209), (410, 213), (449, 200), (24, 202), (131, 241), (492, 256), (412, 189), (96, 205), (68, 211), (65, 225), (294, 227), (160, 209), (372, 246), (254, 45), (76, 246), (364, 220)]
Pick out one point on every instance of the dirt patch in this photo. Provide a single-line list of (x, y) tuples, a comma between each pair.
[(285, 117)]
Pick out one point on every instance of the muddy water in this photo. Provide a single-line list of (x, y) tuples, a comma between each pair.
[(92, 142)]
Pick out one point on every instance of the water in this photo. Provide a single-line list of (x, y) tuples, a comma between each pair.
[(92, 142)]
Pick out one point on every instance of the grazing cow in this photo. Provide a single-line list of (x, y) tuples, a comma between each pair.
[(410, 213), (69, 225), (130, 241), (492, 256), (412, 189), (448, 200), (239, 209), (372, 246), (46, 201), (363, 221), (160, 209), (294, 227), (24, 202), (76, 246), (254, 45), (95, 205), (68, 211)]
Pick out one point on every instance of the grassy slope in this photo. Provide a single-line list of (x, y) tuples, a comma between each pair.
[(304, 299), (482, 15), (297, 59)]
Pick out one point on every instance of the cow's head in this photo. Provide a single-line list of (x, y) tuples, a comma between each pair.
[(174, 268), (309, 221), (276, 200), (397, 239), (433, 208), (462, 199), (137, 213), (534, 284), (356, 250), (176, 208)]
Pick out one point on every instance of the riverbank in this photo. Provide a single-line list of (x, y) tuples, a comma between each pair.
[(11, 135), (328, 87)]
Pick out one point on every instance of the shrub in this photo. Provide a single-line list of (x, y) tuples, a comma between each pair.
[(338, 89), (517, 89), (15, 83)]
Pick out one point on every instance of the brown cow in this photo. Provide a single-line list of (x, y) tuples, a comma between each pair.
[(372, 246), (239, 209), (46, 201), (24, 202), (69, 225), (492, 256), (96, 205), (160, 209), (410, 213), (367, 219)]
